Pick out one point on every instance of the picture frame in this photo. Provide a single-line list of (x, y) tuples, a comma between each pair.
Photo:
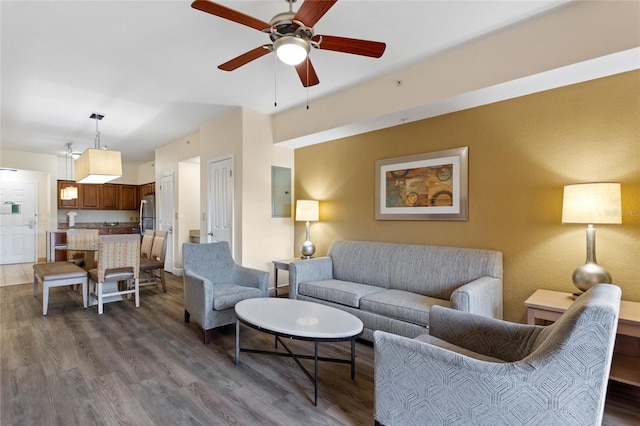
[(429, 186)]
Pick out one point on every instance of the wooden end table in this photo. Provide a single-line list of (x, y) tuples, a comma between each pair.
[(545, 306), (281, 265)]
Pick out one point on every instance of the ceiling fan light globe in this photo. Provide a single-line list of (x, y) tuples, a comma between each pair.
[(291, 50)]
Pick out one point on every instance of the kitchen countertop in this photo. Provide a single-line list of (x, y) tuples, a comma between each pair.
[(96, 225)]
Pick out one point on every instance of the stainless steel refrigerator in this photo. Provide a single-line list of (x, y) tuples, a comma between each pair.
[(147, 213)]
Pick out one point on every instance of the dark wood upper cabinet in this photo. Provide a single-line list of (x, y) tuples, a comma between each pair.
[(128, 197), (90, 196), (67, 204), (110, 195), (107, 196)]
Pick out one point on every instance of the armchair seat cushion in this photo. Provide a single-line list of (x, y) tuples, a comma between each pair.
[(226, 296), (342, 292), (401, 305)]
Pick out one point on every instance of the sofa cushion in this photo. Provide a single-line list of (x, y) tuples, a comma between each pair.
[(227, 295), (401, 305), (337, 291)]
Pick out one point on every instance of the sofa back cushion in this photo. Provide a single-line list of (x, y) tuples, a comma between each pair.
[(432, 271)]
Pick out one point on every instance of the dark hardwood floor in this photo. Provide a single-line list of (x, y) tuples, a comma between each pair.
[(145, 366)]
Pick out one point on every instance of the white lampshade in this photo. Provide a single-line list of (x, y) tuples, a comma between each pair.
[(307, 210), (592, 203), (291, 50), (98, 166)]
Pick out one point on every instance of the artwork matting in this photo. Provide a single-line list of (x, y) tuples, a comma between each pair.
[(429, 186)]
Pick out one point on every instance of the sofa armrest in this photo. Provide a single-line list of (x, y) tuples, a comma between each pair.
[(316, 269), (492, 337), (198, 295), (249, 277), (482, 296)]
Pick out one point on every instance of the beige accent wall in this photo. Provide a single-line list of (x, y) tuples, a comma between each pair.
[(521, 153)]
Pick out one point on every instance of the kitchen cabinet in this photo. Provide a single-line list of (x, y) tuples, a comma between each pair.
[(128, 197), (107, 196), (67, 204), (110, 196), (90, 196), (147, 189)]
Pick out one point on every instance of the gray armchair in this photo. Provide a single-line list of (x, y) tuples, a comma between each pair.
[(472, 369), (214, 283)]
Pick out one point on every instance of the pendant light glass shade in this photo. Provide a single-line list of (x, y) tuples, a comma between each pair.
[(291, 50)]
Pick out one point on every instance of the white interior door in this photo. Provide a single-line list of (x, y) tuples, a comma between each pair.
[(220, 201), (166, 217), (17, 222)]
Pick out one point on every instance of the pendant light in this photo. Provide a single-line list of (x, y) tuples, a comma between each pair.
[(97, 165), (69, 192)]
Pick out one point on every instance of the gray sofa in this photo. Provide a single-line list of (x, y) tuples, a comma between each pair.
[(391, 287)]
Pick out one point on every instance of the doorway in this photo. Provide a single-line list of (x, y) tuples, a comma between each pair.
[(17, 222), (166, 217), (220, 201)]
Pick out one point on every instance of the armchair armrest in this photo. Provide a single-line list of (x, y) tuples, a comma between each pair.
[(415, 381), (198, 294), (487, 336), (316, 269), (482, 296), (250, 277)]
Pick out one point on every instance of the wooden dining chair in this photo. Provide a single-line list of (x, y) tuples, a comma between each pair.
[(155, 262), (118, 260), (79, 238), (147, 243)]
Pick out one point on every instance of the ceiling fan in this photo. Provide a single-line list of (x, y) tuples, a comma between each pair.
[(292, 37)]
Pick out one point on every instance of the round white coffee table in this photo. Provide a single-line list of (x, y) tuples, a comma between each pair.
[(299, 320)]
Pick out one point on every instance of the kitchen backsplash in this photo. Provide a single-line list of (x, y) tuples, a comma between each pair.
[(99, 216)]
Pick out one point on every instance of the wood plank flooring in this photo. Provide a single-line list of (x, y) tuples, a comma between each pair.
[(145, 366)]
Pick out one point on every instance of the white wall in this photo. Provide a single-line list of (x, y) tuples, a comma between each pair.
[(167, 161), (246, 135), (188, 204), (266, 238)]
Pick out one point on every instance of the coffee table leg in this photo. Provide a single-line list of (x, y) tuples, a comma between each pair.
[(353, 358), (315, 376), (237, 341)]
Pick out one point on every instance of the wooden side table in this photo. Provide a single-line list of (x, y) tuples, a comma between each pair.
[(546, 306), (281, 265)]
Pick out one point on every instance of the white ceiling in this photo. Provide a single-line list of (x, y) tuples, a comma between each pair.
[(151, 66)]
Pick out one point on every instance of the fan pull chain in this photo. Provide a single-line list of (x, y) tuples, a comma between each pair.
[(275, 81), (307, 82)]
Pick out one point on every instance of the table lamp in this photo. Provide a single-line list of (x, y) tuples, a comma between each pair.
[(307, 210), (591, 203)]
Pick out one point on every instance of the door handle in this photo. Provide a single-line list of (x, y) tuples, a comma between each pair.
[(31, 222)]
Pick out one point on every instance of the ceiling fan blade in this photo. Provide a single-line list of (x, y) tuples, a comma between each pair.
[(374, 49), (310, 78), (312, 10), (245, 58), (230, 14)]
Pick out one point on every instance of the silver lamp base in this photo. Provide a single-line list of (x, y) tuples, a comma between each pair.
[(307, 249), (590, 274)]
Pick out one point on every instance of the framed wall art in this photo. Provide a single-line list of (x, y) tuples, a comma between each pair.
[(429, 186)]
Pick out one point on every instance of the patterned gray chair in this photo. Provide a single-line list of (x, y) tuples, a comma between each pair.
[(473, 370), (214, 283)]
